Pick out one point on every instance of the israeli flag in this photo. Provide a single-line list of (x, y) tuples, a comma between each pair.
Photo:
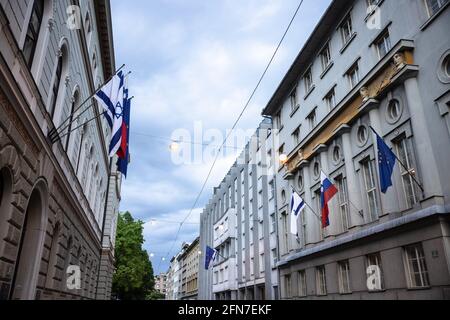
[(297, 206), (111, 98)]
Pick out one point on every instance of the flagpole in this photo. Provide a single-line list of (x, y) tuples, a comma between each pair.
[(404, 166), (57, 138), (55, 130)]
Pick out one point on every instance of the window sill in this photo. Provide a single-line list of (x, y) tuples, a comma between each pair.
[(434, 16), (419, 289), (325, 71), (348, 43), (309, 92)]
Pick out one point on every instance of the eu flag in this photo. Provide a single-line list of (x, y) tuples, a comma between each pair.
[(386, 161)]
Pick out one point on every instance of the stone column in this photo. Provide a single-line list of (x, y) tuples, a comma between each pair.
[(423, 143), (354, 193), (389, 201)]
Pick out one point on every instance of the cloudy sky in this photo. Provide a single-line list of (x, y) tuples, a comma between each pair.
[(194, 64)]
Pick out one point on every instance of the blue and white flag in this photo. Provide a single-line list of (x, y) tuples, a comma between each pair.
[(111, 98), (297, 206), (210, 256)]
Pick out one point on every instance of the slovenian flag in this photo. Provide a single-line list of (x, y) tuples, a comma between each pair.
[(328, 191), (297, 206)]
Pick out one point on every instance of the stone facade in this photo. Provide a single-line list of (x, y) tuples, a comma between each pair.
[(53, 196), (387, 68)]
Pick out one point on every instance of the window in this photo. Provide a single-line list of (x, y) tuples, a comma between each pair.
[(287, 287), (416, 267), (312, 120), (56, 85), (274, 257), (278, 122), (262, 265), (433, 6), (269, 159), (302, 292), (344, 277), (300, 182), (316, 170), (31, 38), (374, 260), (271, 190), (75, 100), (346, 30), (294, 100), (330, 100), (337, 154), (370, 183), (308, 81), (273, 223), (296, 136), (284, 218), (383, 45), (353, 76), (343, 203), (325, 56), (321, 281), (405, 155)]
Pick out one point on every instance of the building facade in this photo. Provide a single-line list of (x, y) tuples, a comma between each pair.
[(189, 261), (53, 55), (384, 67), (161, 283), (240, 223), (174, 276)]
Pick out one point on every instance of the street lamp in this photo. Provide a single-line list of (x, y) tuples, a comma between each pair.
[(283, 159)]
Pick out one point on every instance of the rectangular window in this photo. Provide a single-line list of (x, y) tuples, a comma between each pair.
[(374, 261), (284, 218), (383, 45), (353, 76), (278, 122), (273, 225), (287, 287), (308, 81), (346, 30), (294, 100), (404, 153), (262, 265), (271, 190), (296, 136), (302, 292), (371, 189), (343, 202), (274, 257), (321, 281), (312, 120), (344, 277), (416, 267), (325, 56), (330, 100), (433, 6)]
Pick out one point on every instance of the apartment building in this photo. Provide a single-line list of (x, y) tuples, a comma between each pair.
[(189, 261), (161, 283), (53, 208), (368, 64), (240, 223)]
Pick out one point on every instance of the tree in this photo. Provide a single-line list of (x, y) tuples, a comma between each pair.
[(133, 279)]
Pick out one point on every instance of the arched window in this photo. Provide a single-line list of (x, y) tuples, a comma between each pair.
[(58, 88), (75, 100), (34, 27), (56, 85)]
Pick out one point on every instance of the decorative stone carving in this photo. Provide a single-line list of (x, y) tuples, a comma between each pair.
[(399, 60), (364, 91), (51, 24)]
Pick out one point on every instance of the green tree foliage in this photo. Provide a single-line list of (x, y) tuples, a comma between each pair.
[(133, 279)]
